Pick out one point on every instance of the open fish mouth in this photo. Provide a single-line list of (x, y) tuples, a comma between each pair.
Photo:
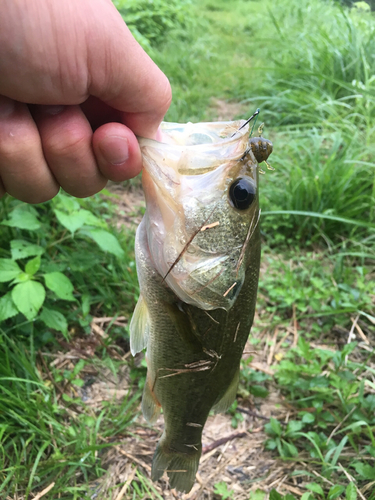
[(195, 232)]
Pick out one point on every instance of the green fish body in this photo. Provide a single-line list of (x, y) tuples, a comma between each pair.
[(198, 258)]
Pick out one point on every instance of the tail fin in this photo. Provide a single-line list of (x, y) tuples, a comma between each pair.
[(181, 467)]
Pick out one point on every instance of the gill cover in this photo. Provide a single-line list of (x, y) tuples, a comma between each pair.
[(196, 234)]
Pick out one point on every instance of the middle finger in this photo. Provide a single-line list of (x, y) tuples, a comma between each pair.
[(67, 145)]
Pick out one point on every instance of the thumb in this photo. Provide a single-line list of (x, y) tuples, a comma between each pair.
[(124, 76)]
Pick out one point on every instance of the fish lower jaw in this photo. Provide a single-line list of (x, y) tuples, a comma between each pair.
[(201, 296)]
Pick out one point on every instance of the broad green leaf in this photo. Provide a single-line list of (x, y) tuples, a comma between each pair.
[(89, 421), (21, 249), (258, 391), (60, 284), (68, 203), (274, 495), (308, 418), (307, 496), (54, 319), (22, 217), (290, 449), (7, 307), (78, 382), (257, 495), (316, 488), (276, 426), (28, 298), (91, 219), (221, 489), (294, 426), (271, 444), (106, 241), (72, 221), (85, 304), (33, 265), (78, 367), (335, 492), (21, 278), (8, 270), (365, 471), (351, 492)]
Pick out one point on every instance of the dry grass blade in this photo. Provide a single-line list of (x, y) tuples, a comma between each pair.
[(187, 244), (236, 332), (340, 424), (213, 319), (223, 440), (250, 232), (44, 492), (352, 480), (229, 289), (126, 485), (210, 226), (177, 371)]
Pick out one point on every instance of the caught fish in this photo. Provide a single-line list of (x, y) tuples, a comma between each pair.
[(198, 257)]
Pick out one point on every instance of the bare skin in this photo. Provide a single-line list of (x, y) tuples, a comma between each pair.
[(75, 90)]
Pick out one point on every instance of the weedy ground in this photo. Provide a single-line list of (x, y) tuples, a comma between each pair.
[(303, 425)]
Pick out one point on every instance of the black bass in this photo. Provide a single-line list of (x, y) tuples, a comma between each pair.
[(198, 258)]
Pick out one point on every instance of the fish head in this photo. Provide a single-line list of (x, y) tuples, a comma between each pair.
[(202, 215)]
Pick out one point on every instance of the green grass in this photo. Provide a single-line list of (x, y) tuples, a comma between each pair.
[(69, 263), (45, 439), (314, 84)]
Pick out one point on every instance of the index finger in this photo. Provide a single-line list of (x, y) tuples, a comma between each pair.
[(125, 77)]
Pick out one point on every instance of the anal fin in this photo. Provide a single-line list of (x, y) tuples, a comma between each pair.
[(230, 395), (139, 327)]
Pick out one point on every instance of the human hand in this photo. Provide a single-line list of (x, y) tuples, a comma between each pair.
[(75, 89)]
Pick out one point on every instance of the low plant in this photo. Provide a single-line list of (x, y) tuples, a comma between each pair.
[(46, 251), (152, 21)]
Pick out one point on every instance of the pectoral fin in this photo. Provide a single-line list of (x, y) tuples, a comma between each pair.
[(230, 395), (139, 327)]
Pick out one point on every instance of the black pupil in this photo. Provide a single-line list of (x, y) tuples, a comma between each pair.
[(242, 193)]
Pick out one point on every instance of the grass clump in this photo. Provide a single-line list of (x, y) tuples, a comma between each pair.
[(314, 84), (327, 174), (47, 432), (152, 21), (322, 73)]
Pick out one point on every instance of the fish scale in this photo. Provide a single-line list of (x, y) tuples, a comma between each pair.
[(196, 309)]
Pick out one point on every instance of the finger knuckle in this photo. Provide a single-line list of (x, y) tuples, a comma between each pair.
[(70, 144)]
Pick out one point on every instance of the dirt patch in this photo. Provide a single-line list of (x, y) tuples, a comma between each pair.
[(221, 110), (130, 203)]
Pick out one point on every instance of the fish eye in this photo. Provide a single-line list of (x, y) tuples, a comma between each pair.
[(242, 193)]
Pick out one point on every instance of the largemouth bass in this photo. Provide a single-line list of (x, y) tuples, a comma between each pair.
[(198, 257)]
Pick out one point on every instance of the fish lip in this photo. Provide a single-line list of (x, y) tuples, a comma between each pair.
[(144, 141)]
